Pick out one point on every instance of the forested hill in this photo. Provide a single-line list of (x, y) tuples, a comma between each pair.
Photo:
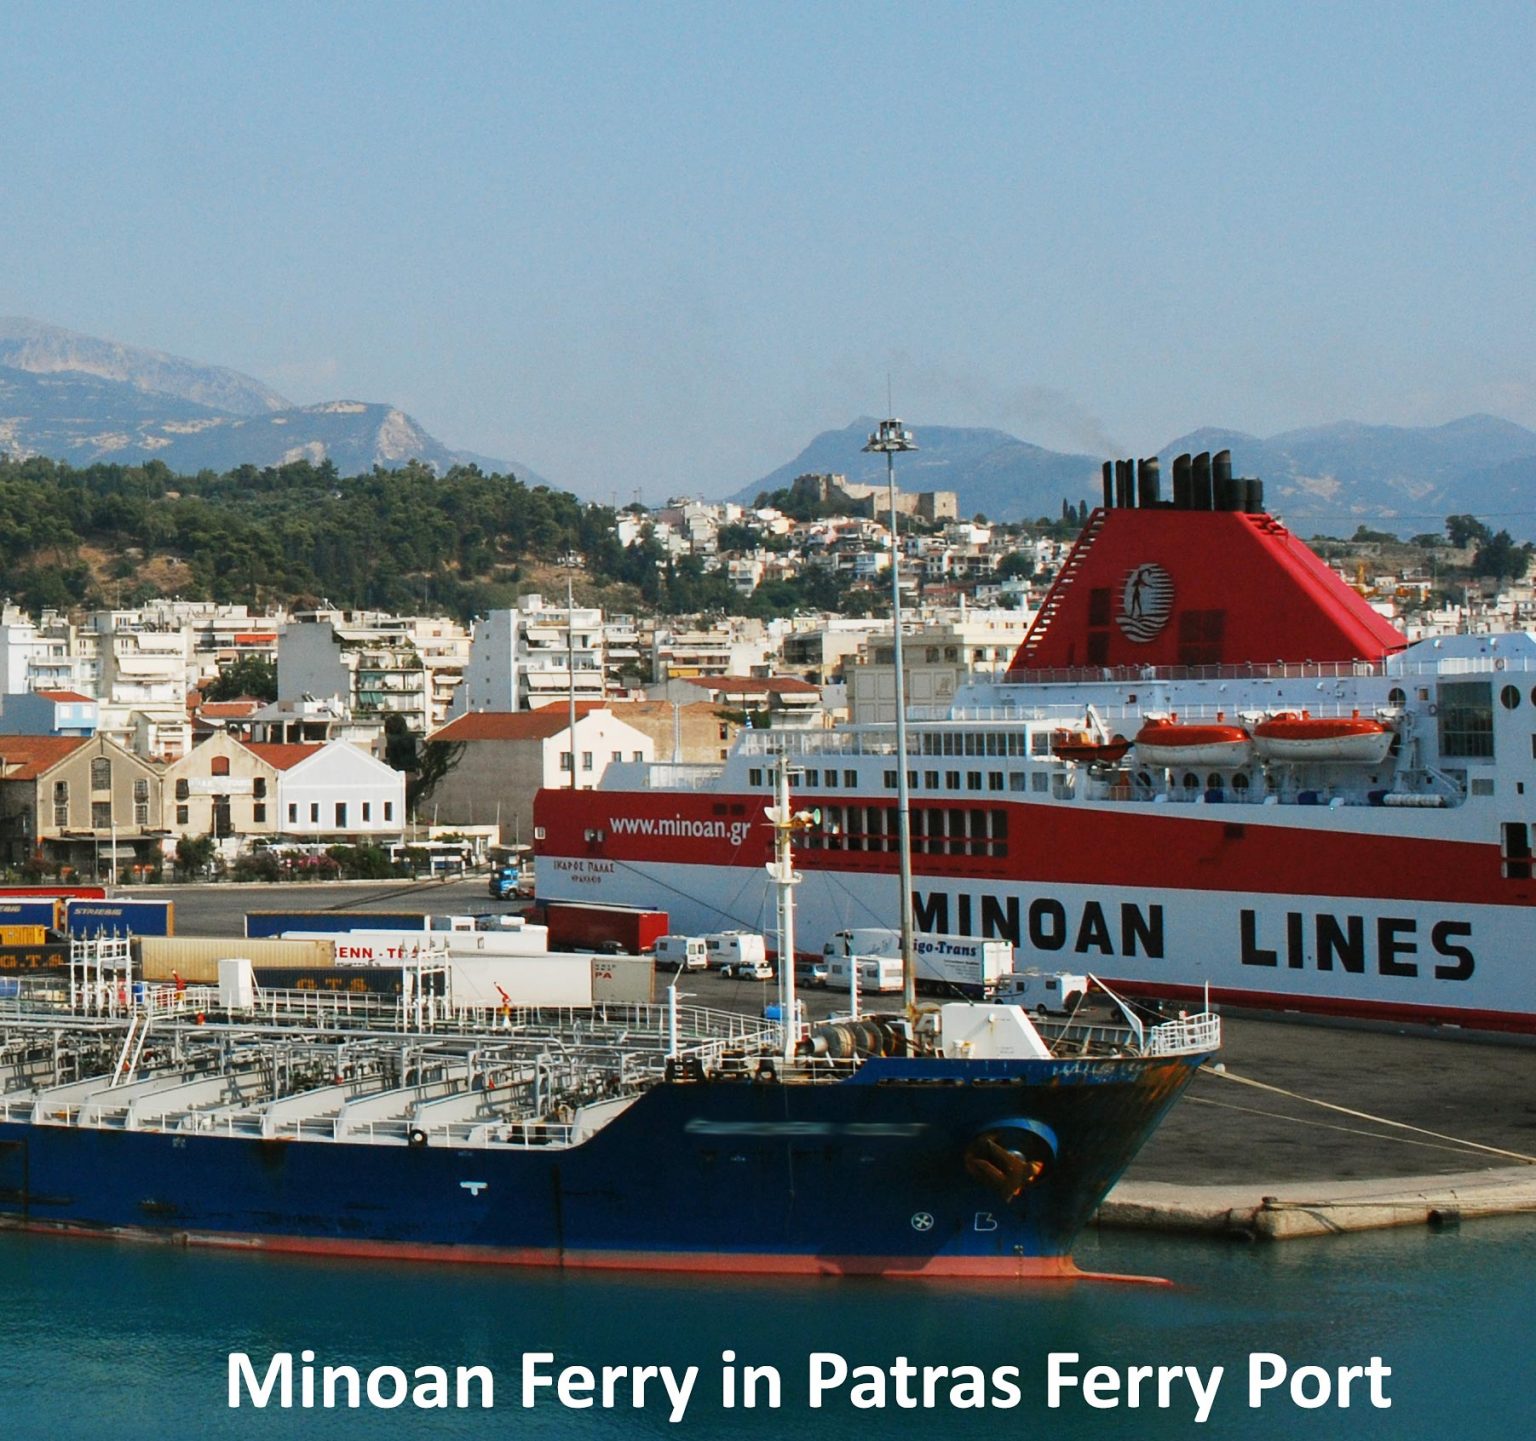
[(393, 540), (403, 540)]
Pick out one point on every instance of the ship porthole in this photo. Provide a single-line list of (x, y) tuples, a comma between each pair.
[(1510, 697)]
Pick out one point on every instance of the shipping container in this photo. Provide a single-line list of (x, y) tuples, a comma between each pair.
[(51, 956), (84, 893), (196, 958), (23, 935), (274, 923), (87, 918), (35, 911), (576, 926)]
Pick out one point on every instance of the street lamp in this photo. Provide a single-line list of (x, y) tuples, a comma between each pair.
[(889, 438)]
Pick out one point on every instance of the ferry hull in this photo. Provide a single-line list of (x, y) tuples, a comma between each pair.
[(866, 1176)]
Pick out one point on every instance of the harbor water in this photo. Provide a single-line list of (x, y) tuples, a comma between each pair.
[(109, 1340)]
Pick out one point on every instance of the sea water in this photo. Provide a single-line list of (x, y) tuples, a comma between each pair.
[(117, 1341)]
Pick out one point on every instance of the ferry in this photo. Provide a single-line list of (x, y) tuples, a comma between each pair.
[(1211, 767)]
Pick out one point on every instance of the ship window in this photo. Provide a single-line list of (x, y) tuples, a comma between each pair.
[(850, 780), (890, 780), (1040, 781), (952, 778), (1016, 781), (1239, 782), (931, 780), (1509, 697), (1516, 838), (811, 780), (1482, 785), (994, 780), (1466, 720), (1191, 782), (754, 777), (829, 780), (1395, 696), (1040, 743), (973, 780)]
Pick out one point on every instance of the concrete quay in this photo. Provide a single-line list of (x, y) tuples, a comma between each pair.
[(1412, 1129)]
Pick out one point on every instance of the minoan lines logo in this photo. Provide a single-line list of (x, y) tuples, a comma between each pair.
[(1146, 601)]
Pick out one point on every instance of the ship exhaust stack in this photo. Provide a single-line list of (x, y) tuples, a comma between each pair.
[(1109, 486), (1225, 495), (1181, 482), (1149, 483), (1200, 482)]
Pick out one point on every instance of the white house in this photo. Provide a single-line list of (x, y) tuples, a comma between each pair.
[(335, 793)]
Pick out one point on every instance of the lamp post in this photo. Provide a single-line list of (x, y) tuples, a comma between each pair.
[(889, 438)]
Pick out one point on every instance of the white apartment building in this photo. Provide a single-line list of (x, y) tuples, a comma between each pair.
[(534, 656)]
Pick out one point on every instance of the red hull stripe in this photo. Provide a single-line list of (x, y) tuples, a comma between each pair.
[(987, 1268), (1232, 848), (1463, 1018)]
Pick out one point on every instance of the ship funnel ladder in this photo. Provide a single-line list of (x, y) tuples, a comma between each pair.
[(1061, 585)]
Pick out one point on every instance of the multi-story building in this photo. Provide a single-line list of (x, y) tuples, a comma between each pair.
[(534, 656), (367, 661)]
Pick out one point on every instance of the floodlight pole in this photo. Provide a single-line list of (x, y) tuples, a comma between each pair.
[(890, 437)]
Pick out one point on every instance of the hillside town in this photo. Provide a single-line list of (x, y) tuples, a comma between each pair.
[(389, 731)]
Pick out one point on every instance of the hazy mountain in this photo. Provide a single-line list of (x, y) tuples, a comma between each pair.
[(1329, 479), (1322, 480), (994, 473), (50, 350), (79, 399)]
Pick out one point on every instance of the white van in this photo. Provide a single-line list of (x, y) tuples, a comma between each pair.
[(736, 949), (689, 952)]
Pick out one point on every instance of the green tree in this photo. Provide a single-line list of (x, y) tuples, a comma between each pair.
[(1499, 557), (1466, 530), (248, 675)]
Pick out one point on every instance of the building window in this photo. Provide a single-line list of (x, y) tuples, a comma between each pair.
[(367, 812), (565, 760), (61, 803), (183, 815), (219, 766), (389, 810), (259, 814), (141, 803), (314, 813), (586, 760), (101, 815), (617, 756), (639, 755), (293, 813), (183, 790), (101, 774), (259, 788), (341, 815)]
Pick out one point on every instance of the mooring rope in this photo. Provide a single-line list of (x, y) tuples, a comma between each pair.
[(1458, 1142)]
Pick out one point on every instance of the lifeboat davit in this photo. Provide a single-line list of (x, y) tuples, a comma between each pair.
[(1086, 748), (1181, 743), (1351, 740)]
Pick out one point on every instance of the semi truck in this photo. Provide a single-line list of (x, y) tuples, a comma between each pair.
[(945, 964)]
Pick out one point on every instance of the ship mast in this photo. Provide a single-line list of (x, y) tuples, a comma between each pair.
[(781, 870), (890, 437)]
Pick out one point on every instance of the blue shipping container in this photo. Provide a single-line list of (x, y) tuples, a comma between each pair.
[(121, 918)]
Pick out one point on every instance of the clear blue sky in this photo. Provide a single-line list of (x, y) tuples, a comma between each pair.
[(656, 247)]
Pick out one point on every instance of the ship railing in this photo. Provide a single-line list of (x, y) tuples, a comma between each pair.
[(1184, 1036), (1134, 674)]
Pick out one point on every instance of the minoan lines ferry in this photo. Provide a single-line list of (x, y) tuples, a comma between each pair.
[(1211, 764)]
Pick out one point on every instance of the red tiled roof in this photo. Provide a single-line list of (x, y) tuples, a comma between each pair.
[(72, 697), (24, 758), (230, 709), (278, 755), (520, 725), (746, 684)]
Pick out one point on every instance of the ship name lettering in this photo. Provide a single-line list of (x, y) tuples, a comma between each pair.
[(1327, 942), (1049, 924)]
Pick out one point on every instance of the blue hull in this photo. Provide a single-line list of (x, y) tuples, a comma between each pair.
[(889, 1171)]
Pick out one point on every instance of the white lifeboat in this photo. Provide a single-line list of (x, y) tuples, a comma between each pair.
[(1300, 737), (1173, 742)]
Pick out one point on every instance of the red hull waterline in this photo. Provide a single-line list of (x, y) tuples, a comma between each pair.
[(908, 1268)]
